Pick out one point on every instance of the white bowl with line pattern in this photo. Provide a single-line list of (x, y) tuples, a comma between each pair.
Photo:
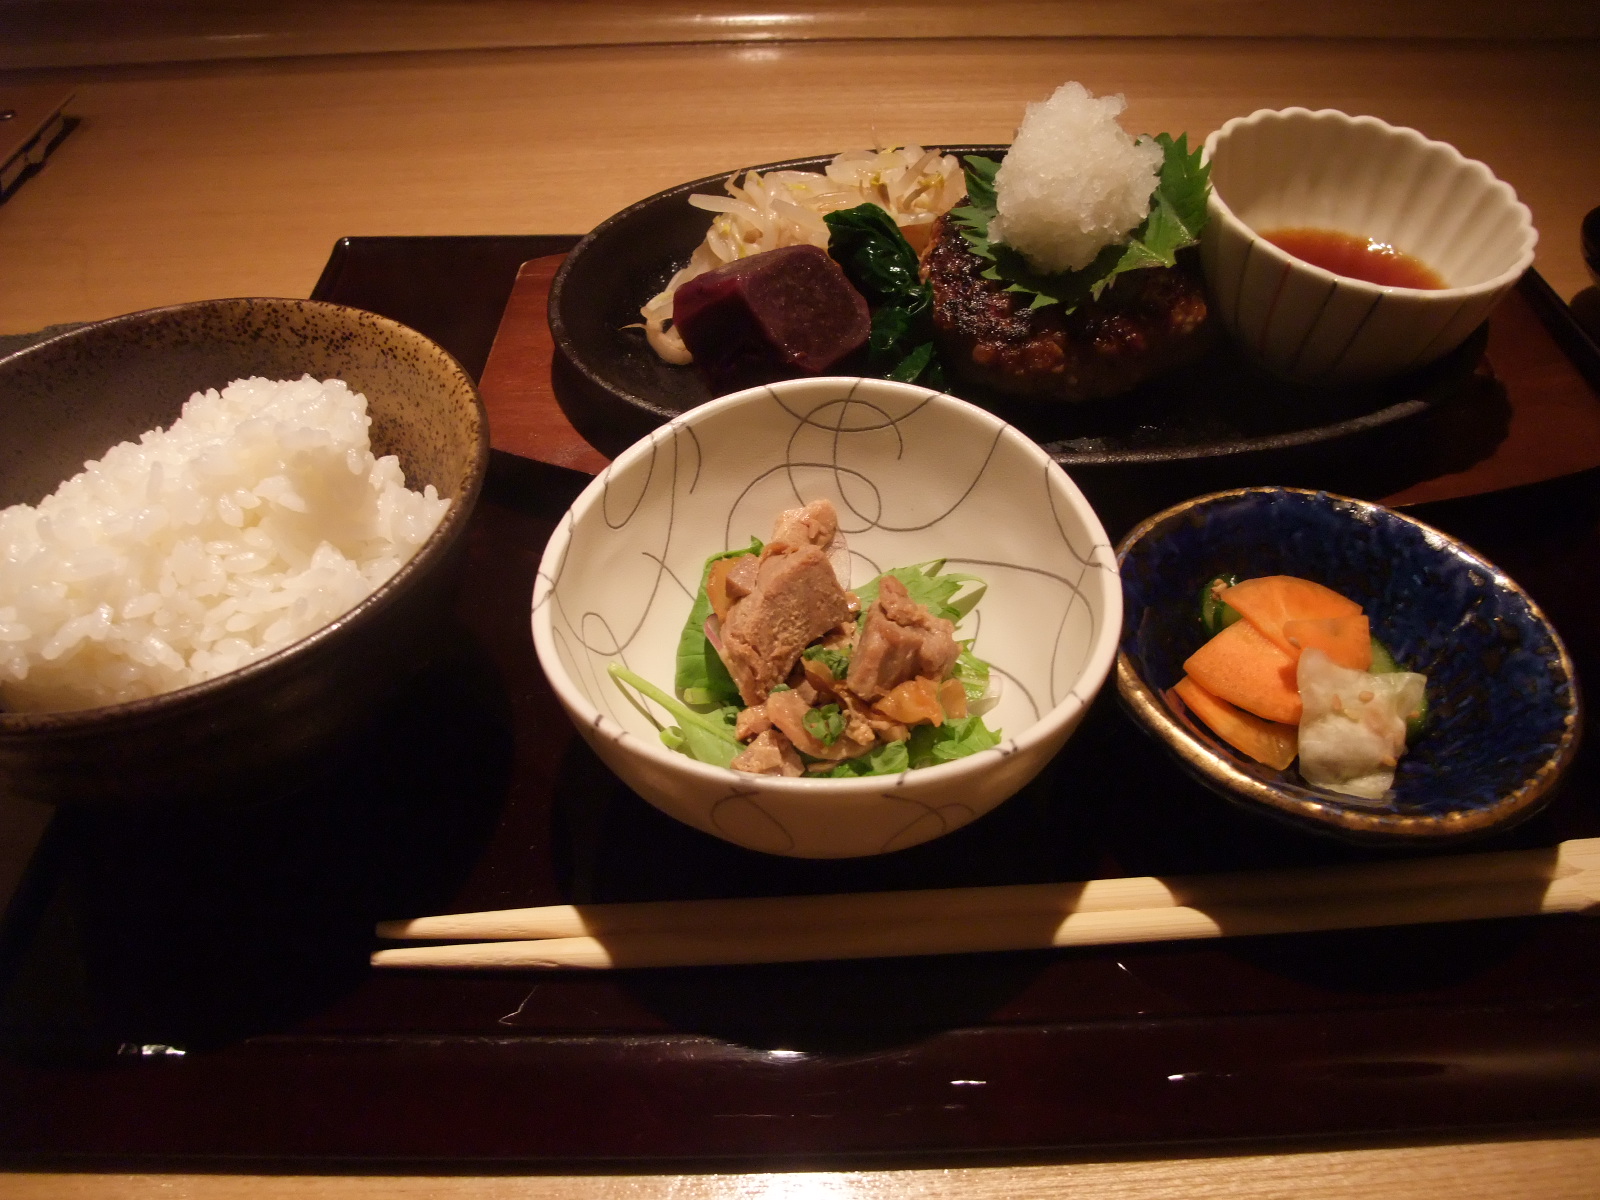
[(915, 475)]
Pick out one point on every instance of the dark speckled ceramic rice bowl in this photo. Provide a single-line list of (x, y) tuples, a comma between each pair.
[(69, 399), (1504, 712)]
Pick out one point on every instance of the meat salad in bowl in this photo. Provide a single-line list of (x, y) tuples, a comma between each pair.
[(827, 692), (799, 675)]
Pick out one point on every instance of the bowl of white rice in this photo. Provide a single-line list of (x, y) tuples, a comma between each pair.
[(228, 534)]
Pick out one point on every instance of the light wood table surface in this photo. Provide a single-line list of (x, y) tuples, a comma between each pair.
[(236, 178), (229, 175)]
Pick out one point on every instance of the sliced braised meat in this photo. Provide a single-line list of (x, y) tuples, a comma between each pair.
[(865, 726), (770, 754), (799, 682), (886, 729), (751, 721), (843, 636), (796, 599), (818, 677), (817, 524), (901, 640), (788, 712), (741, 577)]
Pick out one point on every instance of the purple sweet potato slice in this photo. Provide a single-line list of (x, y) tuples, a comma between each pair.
[(777, 315)]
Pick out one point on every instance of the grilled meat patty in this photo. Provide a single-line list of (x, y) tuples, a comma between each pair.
[(1144, 323)]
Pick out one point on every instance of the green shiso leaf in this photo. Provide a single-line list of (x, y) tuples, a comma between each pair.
[(1185, 183), (980, 173), (1177, 215)]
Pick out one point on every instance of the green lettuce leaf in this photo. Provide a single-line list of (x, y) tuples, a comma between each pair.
[(1177, 215), (701, 678)]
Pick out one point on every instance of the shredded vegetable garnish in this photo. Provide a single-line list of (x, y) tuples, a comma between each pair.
[(785, 208)]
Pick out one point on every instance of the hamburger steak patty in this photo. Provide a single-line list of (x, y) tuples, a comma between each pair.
[(1144, 323)]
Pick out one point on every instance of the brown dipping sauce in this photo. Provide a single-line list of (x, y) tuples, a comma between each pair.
[(1355, 257)]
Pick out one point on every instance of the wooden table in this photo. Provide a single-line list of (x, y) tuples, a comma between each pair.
[(232, 175), (235, 178)]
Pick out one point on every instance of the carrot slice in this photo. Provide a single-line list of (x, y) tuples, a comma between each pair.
[(1241, 666), (1345, 640), (1265, 741), (1270, 600)]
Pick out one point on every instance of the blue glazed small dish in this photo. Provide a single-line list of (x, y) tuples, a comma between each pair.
[(1503, 707)]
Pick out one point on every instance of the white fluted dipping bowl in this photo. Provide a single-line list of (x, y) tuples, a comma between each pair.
[(1294, 168), (915, 475)]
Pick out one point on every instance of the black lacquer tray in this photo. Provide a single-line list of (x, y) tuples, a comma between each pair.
[(189, 987)]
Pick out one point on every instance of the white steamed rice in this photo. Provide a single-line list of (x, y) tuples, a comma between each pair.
[(1073, 182), (259, 516)]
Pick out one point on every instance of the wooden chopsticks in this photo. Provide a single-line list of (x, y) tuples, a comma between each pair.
[(1563, 878)]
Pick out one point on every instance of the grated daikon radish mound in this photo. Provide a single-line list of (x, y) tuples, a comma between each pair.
[(1073, 181), (258, 517)]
